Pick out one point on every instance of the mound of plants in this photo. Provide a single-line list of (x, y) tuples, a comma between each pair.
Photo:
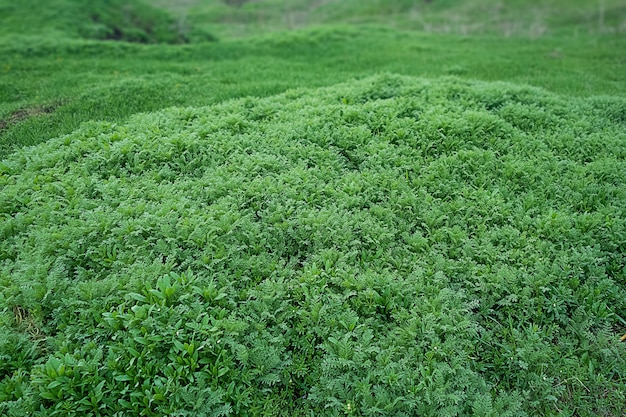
[(134, 21), (130, 21), (388, 246)]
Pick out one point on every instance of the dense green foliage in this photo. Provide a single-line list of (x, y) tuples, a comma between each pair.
[(388, 246), (299, 234)]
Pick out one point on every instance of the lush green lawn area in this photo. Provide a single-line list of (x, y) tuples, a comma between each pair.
[(86, 80), (324, 208), (51, 83)]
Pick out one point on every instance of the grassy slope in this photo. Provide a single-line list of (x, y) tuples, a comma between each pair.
[(85, 80), (127, 20)]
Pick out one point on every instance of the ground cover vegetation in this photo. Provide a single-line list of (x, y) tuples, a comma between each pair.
[(48, 66), (308, 232)]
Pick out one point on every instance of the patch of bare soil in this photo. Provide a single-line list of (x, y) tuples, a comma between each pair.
[(23, 114)]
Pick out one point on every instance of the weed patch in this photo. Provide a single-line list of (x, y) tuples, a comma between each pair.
[(388, 246)]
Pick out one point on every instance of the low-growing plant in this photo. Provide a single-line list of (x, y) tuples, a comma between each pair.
[(392, 245)]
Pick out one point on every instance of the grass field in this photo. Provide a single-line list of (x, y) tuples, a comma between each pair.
[(312, 207)]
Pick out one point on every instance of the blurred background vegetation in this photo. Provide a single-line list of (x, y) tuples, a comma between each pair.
[(69, 61), (506, 18), (177, 21)]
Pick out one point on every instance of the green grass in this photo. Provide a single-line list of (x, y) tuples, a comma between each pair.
[(81, 80), (85, 80), (121, 20), (511, 18), (312, 208)]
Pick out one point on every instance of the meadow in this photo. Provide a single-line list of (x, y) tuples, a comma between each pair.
[(308, 207)]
